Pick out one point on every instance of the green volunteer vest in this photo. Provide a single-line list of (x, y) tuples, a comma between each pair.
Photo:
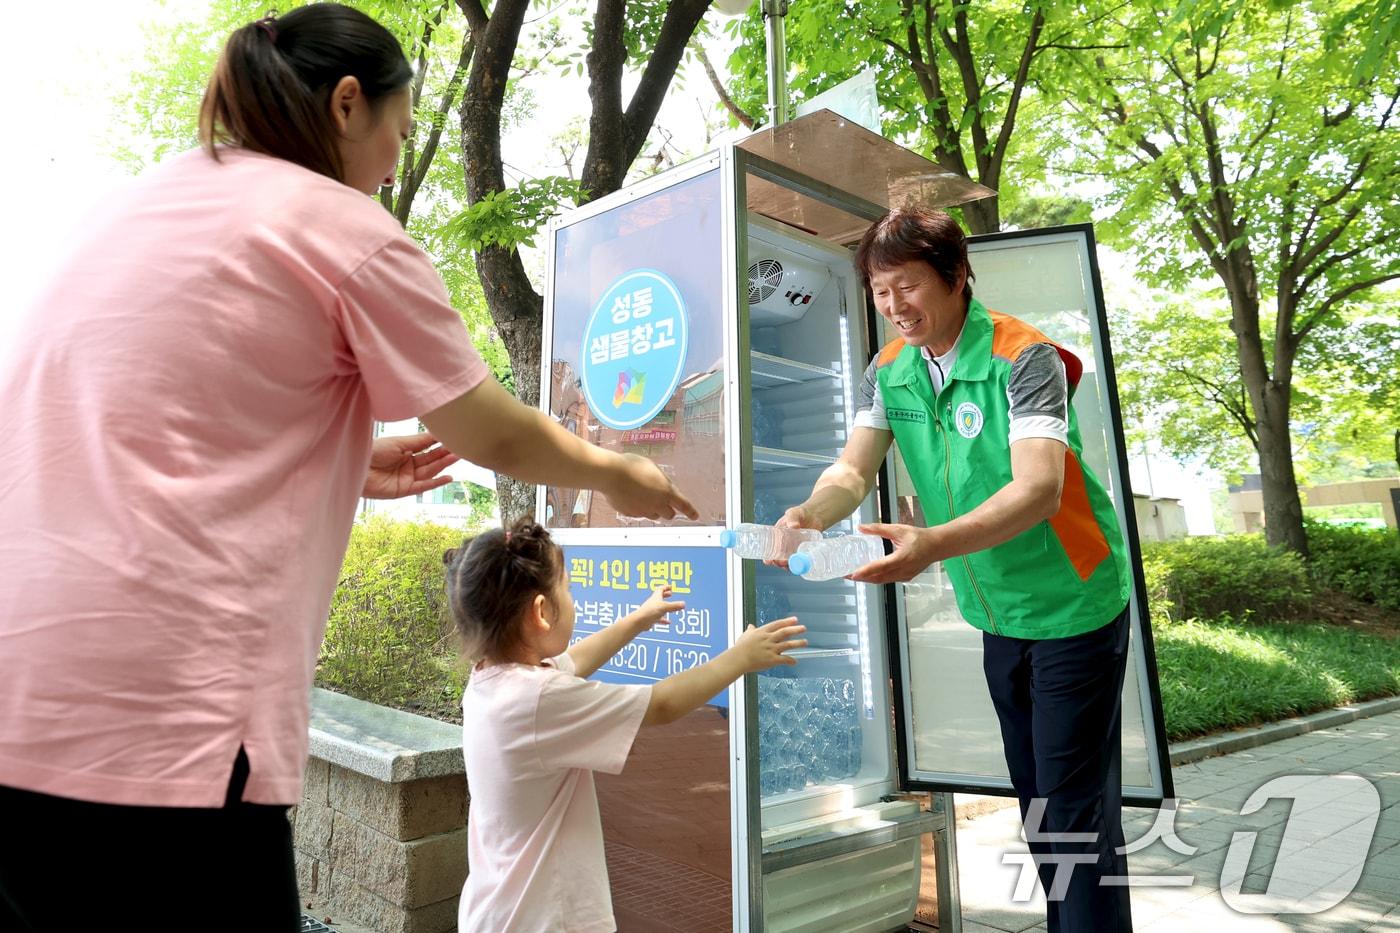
[(1065, 576)]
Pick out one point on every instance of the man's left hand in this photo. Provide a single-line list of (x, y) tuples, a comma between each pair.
[(914, 550), (406, 466)]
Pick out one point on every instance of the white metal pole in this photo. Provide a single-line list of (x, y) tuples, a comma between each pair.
[(773, 13)]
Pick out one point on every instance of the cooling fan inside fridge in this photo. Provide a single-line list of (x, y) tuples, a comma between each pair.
[(782, 288), (765, 278)]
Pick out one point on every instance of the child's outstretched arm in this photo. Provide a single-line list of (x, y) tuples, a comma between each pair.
[(756, 650), (593, 652)]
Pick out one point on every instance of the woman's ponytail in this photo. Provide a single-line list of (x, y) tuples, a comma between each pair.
[(271, 89)]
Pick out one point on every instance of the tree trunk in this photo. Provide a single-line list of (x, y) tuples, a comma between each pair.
[(982, 216), (522, 338), (1283, 508), (1270, 396), (516, 308)]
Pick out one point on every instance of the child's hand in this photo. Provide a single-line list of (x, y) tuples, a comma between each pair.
[(653, 611), (765, 646)]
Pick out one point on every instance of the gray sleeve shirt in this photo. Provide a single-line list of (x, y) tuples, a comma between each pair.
[(1037, 394)]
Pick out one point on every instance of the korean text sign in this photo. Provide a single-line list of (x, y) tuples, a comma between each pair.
[(607, 582), (634, 348)]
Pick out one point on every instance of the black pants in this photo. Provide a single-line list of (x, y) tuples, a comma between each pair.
[(71, 865), (1059, 701)]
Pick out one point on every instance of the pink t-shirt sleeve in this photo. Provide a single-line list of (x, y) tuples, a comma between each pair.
[(407, 341), (586, 724)]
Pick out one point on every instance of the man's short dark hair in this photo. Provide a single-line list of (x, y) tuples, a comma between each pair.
[(916, 234)]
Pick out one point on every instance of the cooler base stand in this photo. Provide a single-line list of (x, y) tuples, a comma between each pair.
[(945, 857), (857, 878)]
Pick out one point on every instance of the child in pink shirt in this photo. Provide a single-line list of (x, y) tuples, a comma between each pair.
[(534, 730)]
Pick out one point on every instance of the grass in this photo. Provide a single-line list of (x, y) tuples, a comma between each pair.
[(1221, 675)]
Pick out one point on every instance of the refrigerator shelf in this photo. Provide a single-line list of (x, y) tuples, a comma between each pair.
[(771, 371), (807, 653), (770, 458)]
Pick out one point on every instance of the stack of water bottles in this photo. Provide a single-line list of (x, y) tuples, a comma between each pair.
[(809, 732), (809, 555), (767, 508), (767, 426), (773, 604)]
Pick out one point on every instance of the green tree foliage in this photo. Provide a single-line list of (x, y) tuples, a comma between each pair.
[(1180, 385), (512, 217), (1240, 141), (953, 78)]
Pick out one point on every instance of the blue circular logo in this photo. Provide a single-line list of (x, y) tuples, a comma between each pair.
[(634, 348)]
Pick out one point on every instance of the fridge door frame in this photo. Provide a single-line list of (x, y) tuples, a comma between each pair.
[(856, 351), (746, 809), (747, 805), (1161, 790)]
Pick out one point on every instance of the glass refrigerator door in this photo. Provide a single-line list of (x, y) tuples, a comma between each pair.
[(824, 742), (950, 737), (819, 738)]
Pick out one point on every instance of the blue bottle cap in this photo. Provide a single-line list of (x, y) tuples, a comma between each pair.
[(727, 538), (800, 563)]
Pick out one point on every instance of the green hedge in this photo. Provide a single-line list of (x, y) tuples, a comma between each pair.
[(1364, 563), (1221, 675), (1238, 576), (389, 635)]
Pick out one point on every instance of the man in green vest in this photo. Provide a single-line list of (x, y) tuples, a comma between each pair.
[(978, 403)]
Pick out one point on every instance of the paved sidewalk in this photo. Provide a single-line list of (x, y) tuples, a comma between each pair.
[(1212, 793)]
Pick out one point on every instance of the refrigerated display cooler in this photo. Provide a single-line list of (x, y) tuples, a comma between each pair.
[(709, 317)]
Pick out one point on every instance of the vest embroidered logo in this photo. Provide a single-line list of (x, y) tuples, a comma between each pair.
[(969, 420), (905, 414)]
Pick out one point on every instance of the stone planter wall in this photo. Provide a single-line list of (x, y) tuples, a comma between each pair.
[(380, 833)]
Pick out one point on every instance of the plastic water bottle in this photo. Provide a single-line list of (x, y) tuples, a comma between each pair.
[(829, 558), (767, 428), (766, 542)]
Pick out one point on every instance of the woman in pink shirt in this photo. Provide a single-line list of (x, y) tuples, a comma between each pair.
[(188, 416)]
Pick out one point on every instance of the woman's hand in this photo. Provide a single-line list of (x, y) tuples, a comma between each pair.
[(406, 466), (640, 489)]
